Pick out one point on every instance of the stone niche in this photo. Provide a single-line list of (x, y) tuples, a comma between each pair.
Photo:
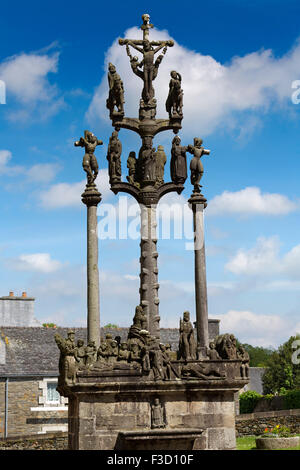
[(131, 413)]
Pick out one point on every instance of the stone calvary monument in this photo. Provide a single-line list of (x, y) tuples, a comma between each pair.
[(139, 394)]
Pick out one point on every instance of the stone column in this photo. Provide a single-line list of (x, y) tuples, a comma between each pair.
[(149, 271), (91, 198), (198, 204)]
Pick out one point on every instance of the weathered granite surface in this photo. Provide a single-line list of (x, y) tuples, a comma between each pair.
[(21, 346)]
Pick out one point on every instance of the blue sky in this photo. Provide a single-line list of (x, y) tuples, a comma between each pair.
[(238, 61)]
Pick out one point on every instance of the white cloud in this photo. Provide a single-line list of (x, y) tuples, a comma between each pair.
[(63, 195), (264, 260), (42, 172), (39, 173), (214, 93), (258, 329), (5, 157), (26, 79), (250, 201), (39, 262)]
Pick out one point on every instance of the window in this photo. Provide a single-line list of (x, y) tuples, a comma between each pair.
[(52, 394), (49, 397)]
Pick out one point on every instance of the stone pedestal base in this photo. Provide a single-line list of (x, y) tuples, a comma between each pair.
[(107, 413)]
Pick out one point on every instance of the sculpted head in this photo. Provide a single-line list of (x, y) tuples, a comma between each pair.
[(198, 142), (186, 316), (146, 18), (176, 140), (146, 45), (111, 68)]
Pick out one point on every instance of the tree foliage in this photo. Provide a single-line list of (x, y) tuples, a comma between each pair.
[(258, 356), (283, 372)]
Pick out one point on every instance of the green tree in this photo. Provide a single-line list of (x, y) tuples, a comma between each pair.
[(258, 356), (283, 372)]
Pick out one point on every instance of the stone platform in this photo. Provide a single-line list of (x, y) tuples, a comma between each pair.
[(114, 410)]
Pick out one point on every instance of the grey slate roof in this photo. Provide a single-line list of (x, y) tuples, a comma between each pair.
[(31, 351)]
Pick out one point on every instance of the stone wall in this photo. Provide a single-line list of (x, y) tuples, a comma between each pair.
[(256, 384), (255, 423), (26, 414)]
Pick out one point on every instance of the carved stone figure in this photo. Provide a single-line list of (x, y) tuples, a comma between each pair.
[(140, 318), (131, 165), (103, 353), (200, 371), (212, 353), (80, 354), (243, 355), (114, 352), (149, 72), (89, 163), (187, 344), (114, 158), (161, 160), (135, 353), (196, 166), (169, 370), (90, 353), (67, 362), (148, 50), (178, 161), (147, 161), (134, 63), (157, 415), (124, 354), (116, 91), (171, 354), (226, 346), (174, 101)]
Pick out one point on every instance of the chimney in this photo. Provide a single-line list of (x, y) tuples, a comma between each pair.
[(11, 294), (24, 295)]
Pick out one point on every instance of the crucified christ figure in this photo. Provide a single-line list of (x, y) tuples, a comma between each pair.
[(148, 49)]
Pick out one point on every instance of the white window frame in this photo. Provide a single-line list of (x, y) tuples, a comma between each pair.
[(44, 403)]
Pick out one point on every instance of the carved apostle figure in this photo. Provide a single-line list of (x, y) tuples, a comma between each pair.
[(174, 103), (243, 355), (67, 363), (178, 161), (196, 166), (79, 353), (124, 354), (157, 415), (114, 158), (91, 353), (187, 345), (147, 160), (89, 163), (161, 160), (116, 91), (131, 165)]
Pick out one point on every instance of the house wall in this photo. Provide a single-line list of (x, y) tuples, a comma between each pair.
[(28, 412)]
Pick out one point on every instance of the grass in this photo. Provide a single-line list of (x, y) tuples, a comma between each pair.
[(248, 443)]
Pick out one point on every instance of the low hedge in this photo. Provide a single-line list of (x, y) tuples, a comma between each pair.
[(248, 401)]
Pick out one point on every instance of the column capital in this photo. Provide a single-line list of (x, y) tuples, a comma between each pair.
[(91, 195), (197, 197)]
